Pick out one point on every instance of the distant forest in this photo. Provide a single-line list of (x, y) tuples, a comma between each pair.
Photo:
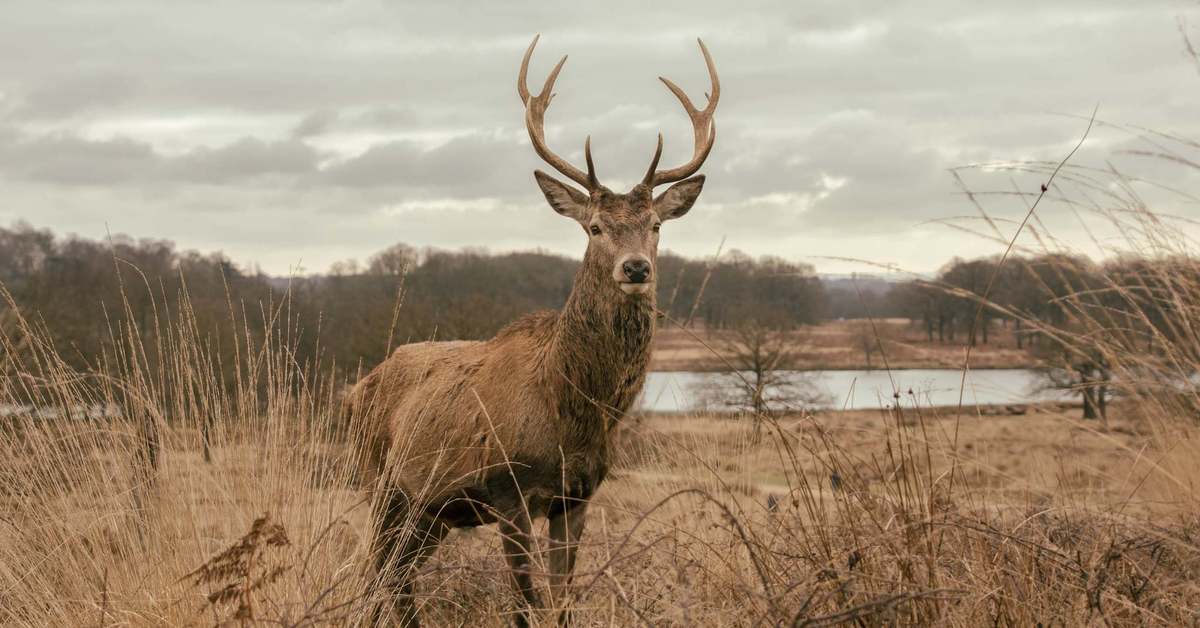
[(90, 297)]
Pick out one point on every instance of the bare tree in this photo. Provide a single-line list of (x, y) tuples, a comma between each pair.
[(868, 338), (396, 260), (1088, 379), (759, 381)]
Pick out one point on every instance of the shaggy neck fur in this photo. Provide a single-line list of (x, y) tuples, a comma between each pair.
[(601, 346)]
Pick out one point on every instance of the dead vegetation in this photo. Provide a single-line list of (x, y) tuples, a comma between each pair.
[(838, 345), (243, 571)]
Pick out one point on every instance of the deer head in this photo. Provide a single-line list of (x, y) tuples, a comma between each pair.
[(622, 228)]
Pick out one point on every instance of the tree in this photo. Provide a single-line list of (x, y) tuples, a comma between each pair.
[(1063, 296), (868, 338), (914, 300), (758, 383), (972, 276), (396, 260), (1083, 372), (738, 286)]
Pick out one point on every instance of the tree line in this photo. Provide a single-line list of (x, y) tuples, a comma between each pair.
[(88, 298), (1077, 317)]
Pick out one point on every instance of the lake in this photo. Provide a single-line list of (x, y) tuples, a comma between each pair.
[(683, 391)]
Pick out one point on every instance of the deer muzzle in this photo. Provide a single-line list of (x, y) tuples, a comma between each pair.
[(635, 274)]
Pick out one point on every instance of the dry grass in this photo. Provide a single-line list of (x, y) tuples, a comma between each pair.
[(836, 345), (898, 516)]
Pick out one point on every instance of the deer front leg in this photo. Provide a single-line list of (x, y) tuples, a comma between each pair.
[(400, 544), (518, 550), (566, 528)]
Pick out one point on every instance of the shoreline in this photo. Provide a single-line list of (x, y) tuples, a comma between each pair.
[(1014, 409), (708, 368)]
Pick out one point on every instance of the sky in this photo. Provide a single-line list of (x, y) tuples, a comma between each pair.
[(292, 135)]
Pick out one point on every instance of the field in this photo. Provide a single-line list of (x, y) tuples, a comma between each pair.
[(916, 517), (839, 345)]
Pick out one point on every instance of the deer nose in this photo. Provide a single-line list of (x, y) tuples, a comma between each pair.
[(636, 270)]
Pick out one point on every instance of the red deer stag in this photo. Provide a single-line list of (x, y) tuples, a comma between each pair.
[(462, 434)]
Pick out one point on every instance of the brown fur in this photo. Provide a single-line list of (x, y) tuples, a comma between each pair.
[(520, 426), (443, 415)]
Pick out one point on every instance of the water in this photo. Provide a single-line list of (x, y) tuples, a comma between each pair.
[(683, 391), (859, 390)]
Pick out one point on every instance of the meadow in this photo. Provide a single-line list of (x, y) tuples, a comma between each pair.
[(838, 344), (916, 517)]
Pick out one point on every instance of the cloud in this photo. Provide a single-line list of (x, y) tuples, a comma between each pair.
[(357, 119), (315, 123), (383, 117), (76, 93), (244, 159), (65, 159), (468, 165), (338, 111)]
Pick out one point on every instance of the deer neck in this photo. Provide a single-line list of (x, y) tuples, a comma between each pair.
[(601, 347)]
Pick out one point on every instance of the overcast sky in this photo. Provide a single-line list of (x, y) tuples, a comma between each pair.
[(294, 134)]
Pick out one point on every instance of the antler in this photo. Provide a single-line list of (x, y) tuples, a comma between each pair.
[(702, 124), (535, 113)]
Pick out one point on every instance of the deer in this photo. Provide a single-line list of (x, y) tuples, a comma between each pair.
[(459, 434)]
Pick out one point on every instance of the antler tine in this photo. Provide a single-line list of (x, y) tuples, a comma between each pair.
[(522, 89), (593, 183), (535, 112), (649, 178), (712, 76), (703, 127)]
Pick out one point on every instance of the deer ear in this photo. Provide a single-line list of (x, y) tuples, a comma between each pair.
[(565, 199), (679, 198)]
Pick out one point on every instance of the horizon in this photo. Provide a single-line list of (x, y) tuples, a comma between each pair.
[(361, 262)]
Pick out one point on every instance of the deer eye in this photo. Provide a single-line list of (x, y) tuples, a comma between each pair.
[(657, 226), (595, 229)]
